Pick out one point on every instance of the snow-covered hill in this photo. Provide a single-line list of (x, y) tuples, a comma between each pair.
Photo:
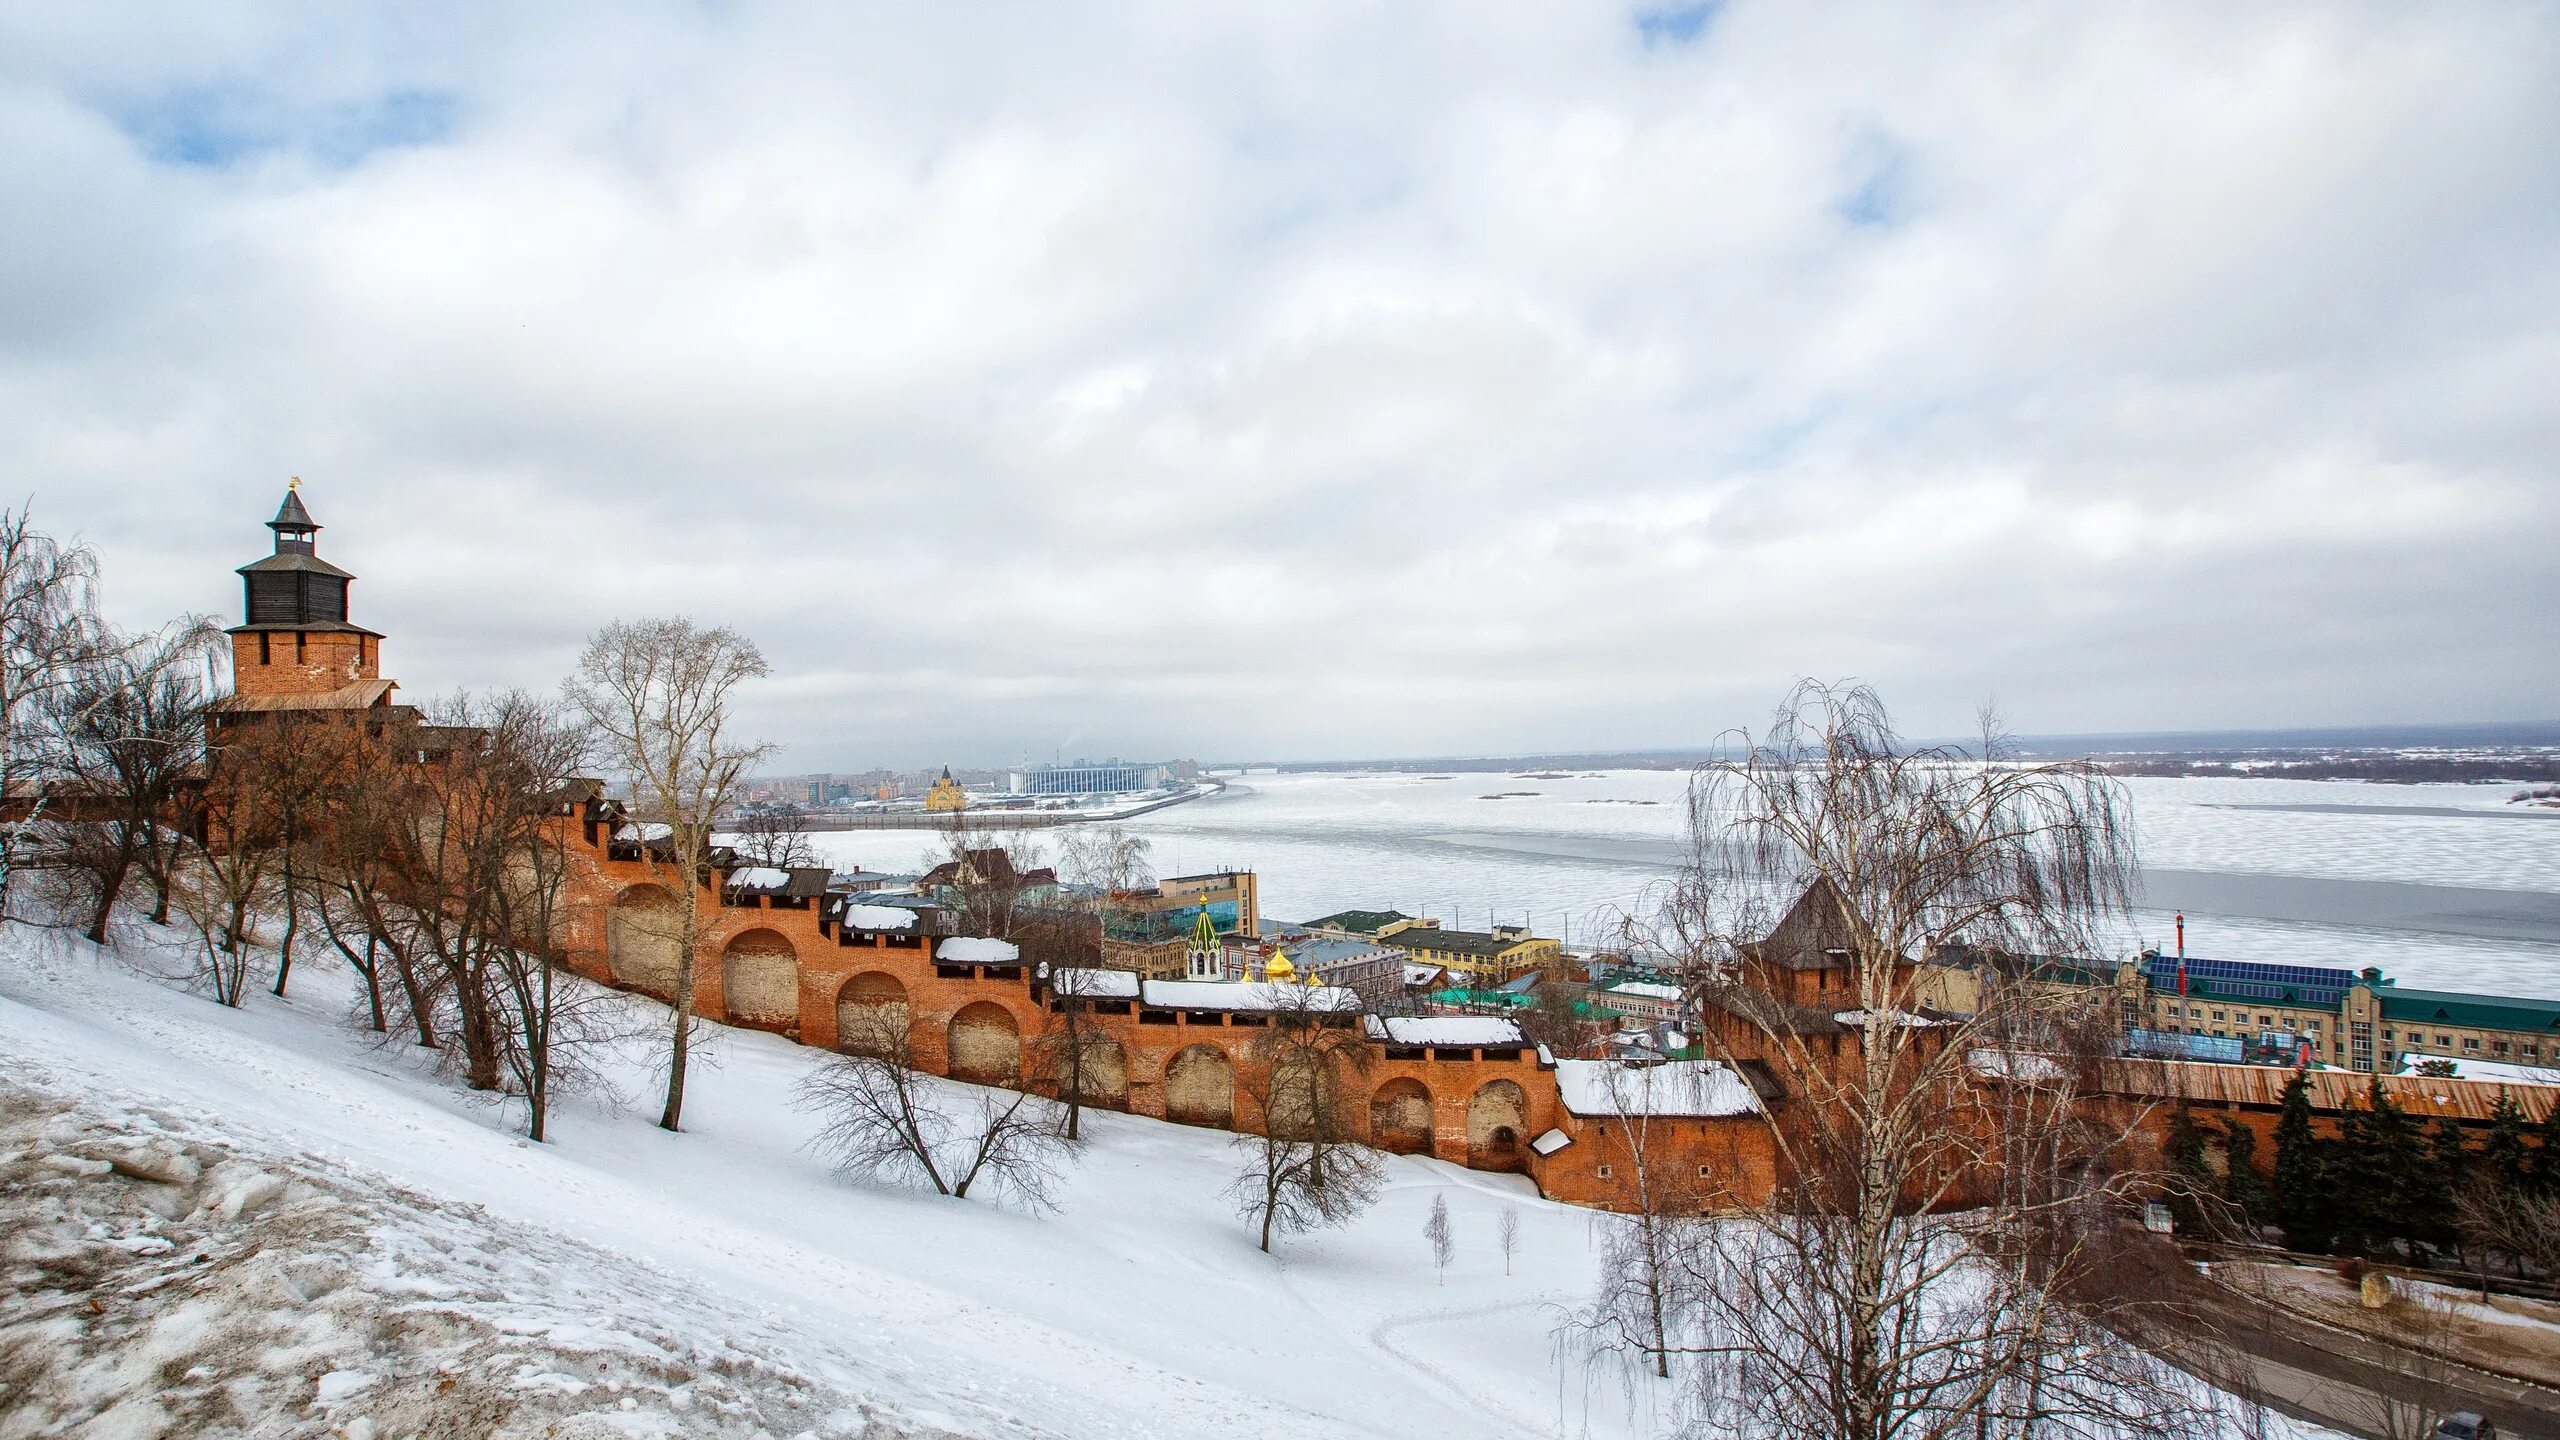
[(401, 1258)]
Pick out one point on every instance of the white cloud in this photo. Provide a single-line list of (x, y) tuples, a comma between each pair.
[(1323, 379)]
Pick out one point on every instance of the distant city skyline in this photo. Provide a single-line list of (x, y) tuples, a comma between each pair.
[(1280, 382)]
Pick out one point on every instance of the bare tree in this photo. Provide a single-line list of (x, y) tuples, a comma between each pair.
[(1077, 1055), (52, 638), (131, 731), (304, 764), (656, 695), (232, 877), (987, 883), (2424, 1387), (1506, 1232), (2520, 1222), (1305, 1169), (551, 1026), (882, 1119), (1100, 862), (363, 887), (1645, 1267), (775, 837), (1444, 1244), (1850, 1303)]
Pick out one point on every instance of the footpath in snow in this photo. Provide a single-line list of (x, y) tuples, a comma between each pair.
[(267, 1222)]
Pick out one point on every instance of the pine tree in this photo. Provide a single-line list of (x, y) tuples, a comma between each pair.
[(2447, 1171), (2243, 1188), (2384, 1178), (2189, 1178), (2302, 1199), (2546, 1155), (2504, 1157)]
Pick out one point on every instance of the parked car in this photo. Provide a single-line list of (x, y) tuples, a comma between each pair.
[(2465, 1425)]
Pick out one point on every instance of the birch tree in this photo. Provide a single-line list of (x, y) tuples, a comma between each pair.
[(1306, 1170), (53, 643), (657, 694), (1931, 1263)]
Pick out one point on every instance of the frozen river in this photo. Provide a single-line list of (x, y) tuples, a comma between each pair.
[(2440, 885)]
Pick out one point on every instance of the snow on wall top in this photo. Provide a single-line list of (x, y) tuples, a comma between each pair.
[(1445, 1030), (879, 917), (976, 950), (1096, 984), (1892, 1017), (654, 830), (2012, 1065), (758, 877), (1674, 1088), (1257, 995), (2499, 1071)]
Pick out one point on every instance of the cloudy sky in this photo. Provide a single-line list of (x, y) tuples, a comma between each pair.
[(1320, 379)]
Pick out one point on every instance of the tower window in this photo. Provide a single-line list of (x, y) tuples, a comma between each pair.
[(265, 656), (297, 647)]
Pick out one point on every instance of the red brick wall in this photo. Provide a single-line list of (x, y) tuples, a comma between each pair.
[(323, 660)]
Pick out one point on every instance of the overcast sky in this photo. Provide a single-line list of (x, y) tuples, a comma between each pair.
[(1325, 380)]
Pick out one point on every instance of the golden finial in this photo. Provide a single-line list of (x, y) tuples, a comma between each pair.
[(294, 484)]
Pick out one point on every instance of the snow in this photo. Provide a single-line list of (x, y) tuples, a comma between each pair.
[(1445, 1030), (878, 917), (2497, 1071), (1550, 1142), (1894, 1017), (1644, 990), (1244, 995), (654, 830), (759, 877), (729, 1254), (397, 1256), (2009, 1064), (976, 950), (1673, 1087), (1097, 984)]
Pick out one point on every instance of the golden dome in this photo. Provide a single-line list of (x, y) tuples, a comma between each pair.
[(1279, 968)]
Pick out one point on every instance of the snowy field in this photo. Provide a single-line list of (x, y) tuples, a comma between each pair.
[(1570, 855), (720, 1282)]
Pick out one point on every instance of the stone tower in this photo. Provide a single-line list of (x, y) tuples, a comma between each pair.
[(296, 640)]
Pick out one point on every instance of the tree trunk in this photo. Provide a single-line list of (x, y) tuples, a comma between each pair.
[(110, 885), (418, 1015), (673, 1116), (292, 927), (373, 985)]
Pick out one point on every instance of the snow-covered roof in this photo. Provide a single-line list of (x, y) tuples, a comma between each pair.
[(1444, 1030), (2496, 1071), (2012, 1065), (651, 831), (976, 950), (879, 917), (758, 877), (1255, 995), (1673, 1088), (1551, 1142), (1421, 974), (1643, 990), (1096, 984)]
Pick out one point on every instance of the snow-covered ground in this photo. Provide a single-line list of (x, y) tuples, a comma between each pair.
[(406, 1251)]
